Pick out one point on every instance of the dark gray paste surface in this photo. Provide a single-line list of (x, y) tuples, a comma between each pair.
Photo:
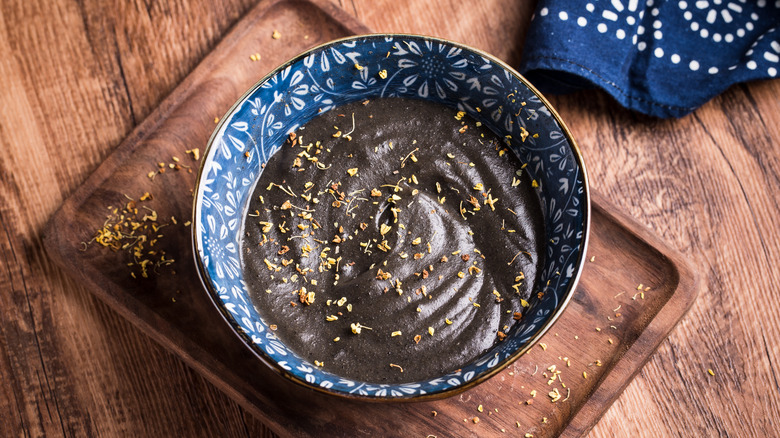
[(464, 271)]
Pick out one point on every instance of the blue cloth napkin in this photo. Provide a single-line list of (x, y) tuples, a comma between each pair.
[(663, 58)]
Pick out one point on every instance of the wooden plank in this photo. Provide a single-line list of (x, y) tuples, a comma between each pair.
[(69, 365), (174, 310), (71, 71)]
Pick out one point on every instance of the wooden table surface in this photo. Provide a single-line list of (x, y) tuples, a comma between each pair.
[(77, 76)]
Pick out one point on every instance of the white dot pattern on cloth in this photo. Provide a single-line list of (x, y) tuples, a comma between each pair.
[(718, 12)]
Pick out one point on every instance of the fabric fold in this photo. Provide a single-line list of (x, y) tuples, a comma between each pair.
[(661, 58)]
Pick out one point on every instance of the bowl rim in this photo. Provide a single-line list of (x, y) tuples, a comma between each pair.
[(448, 392)]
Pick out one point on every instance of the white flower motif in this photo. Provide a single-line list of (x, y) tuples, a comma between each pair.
[(623, 18), (439, 66), (223, 257), (720, 12), (705, 18)]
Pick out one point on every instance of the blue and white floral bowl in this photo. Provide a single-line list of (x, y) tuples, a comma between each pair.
[(418, 67)]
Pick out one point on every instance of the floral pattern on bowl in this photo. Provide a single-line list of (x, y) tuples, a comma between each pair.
[(389, 66)]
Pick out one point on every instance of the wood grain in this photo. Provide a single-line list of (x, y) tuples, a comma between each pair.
[(78, 76), (174, 310)]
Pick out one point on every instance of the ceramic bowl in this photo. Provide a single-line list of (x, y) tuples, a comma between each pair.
[(418, 67)]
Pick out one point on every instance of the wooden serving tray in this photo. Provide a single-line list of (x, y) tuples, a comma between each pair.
[(608, 323)]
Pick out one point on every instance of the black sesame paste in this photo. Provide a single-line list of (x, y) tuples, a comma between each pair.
[(392, 241)]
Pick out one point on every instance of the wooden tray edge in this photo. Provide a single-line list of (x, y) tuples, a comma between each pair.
[(106, 168), (147, 322), (657, 330), (582, 421)]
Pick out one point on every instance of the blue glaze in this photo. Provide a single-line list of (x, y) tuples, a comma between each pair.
[(417, 67)]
